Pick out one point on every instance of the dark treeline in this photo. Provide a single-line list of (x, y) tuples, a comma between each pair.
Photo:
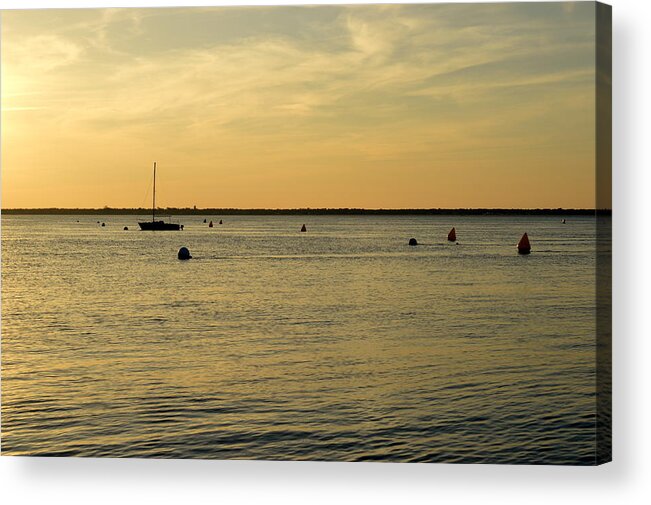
[(174, 211)]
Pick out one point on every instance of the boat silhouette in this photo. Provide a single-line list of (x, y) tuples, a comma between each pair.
[(154, 225)]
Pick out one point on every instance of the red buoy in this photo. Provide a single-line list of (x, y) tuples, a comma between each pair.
[(452, 236), (524, 247)]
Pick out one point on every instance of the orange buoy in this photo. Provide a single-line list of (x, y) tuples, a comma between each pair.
[(210, 224), (524, 247), (303, 228), (452, 236)]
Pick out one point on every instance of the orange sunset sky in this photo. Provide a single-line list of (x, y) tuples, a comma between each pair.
[(375, 106)]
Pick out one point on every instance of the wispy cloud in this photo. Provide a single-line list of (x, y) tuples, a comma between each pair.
[(365, 84)]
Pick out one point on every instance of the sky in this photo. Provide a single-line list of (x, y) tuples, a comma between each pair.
[(373, 106)]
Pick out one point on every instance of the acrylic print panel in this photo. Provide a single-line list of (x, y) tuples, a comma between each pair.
[(398, 218)]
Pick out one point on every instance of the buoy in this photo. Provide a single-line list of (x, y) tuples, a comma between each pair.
[(103, 224), (452, 236), (303, 228), (413, 241), (181, 227), (184, 253), (563, 221), (126, 228), (524, 247), (204, 221), (210, 224), (221, 222)]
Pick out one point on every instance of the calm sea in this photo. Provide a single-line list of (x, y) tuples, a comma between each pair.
[(342, 343)]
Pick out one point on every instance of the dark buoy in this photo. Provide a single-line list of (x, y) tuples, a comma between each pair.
[(452, 236), (563, 221), (303, 228), (210, 224), (184, 253), (524, 247), (221, 222), (126, 228), (103, 224), (413, 241), (181, 227), (204, 221)]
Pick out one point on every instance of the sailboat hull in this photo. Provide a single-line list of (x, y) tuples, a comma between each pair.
[(159, 226)]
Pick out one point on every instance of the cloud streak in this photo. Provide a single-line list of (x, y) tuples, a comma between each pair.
[(312, 88)]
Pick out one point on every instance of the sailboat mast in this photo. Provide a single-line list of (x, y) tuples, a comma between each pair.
[(153, 204)]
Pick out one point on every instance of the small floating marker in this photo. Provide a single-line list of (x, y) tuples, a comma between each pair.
[(563, 221), (221, 222), (413, 241), (204, 221), (97, 222), (210, 224), (452, 236), (303, 228), (181, 227), (184, 253), (126, 228), (103, 224), (524, 247)]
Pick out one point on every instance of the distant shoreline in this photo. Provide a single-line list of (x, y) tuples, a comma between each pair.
[(307, 211)]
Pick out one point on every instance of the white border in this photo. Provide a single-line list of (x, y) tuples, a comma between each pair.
[(627, 480)]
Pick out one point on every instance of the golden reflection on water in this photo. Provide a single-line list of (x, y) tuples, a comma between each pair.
[(342, 344)]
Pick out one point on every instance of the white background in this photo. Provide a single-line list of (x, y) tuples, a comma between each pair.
[(626, 480)]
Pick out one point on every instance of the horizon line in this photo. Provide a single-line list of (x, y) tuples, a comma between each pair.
[(108, 207), (308, 209)]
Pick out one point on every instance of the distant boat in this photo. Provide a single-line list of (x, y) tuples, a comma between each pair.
[(452, 236), (524, 247), (154, 225)]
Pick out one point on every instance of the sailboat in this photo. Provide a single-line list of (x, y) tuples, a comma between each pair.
[(153, 224)]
